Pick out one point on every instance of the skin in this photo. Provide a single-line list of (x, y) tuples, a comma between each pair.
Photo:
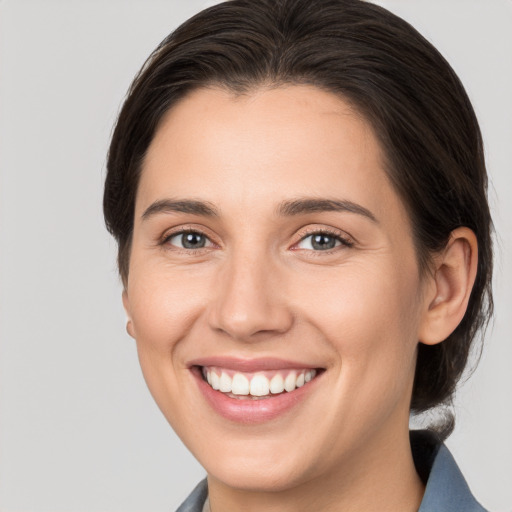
[(260, 289)]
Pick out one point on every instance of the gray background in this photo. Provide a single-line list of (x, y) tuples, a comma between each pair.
[(78, 429)]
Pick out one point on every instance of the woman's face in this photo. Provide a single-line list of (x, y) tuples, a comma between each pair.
[(270, 251)]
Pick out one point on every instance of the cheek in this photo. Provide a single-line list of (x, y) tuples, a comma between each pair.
[(165, 306), (164, 309), (369, 315)]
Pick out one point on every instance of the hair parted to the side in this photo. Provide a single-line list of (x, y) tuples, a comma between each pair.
[(388, 72)]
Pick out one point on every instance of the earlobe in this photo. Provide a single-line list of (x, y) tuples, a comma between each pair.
[(129, 323), (453, 280)]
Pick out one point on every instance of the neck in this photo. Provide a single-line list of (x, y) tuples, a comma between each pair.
[(382, 478)]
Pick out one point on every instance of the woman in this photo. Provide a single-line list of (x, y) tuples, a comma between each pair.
[(298, 192)]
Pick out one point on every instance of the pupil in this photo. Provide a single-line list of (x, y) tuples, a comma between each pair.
[(193, 240), (323, 242)]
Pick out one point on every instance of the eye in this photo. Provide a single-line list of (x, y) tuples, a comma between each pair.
[(322, 241), (189, 240)]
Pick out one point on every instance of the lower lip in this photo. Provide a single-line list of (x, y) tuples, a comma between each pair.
[(249, 411)]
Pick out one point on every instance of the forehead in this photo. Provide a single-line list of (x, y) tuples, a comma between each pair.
[(261, 148)]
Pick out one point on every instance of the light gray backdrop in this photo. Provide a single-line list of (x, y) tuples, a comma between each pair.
[(78, 429)]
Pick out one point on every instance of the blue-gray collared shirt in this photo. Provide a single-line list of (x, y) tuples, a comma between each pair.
[(446, 490)]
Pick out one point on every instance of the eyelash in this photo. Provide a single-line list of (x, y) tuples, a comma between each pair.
[(345, 241), (168, 236)]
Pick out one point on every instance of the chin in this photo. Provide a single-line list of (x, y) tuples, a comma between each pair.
[(256, 477), (259, 465)]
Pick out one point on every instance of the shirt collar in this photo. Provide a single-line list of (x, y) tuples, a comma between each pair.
[(446, 489)]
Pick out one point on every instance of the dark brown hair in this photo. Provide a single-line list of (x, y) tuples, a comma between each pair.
[(388, 72)]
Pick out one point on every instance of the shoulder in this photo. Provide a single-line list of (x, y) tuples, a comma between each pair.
[(446, 489)]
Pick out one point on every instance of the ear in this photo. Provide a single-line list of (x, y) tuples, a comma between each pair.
[(451, 285), (129, 323)]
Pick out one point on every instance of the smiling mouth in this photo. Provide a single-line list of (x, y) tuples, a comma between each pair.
[(258, 385)]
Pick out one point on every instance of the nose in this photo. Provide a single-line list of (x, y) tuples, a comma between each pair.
[(250, 303)]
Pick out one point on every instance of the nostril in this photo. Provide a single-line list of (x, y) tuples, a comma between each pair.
[(247, 307)]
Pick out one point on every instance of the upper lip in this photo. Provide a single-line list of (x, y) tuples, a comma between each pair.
[(249, 365)]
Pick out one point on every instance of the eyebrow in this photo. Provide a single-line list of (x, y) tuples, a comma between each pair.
[(303, 206), (192, 206), (289, 208)]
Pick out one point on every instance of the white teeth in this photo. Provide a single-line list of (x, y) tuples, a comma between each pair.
[(225, 383), (290, 381), (240, 385), (277, 384), (258, 385), (215, 384)]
